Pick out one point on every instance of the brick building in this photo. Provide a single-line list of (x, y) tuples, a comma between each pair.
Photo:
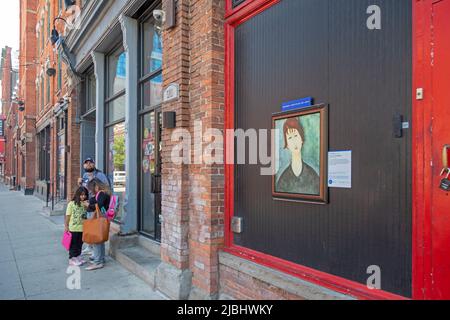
[(57, 127), (26, 135), (2, 145), (9, 77)]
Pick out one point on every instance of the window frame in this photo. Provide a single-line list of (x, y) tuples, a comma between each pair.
[(143, 111), (89, 77), (144, 78), (110, 99)]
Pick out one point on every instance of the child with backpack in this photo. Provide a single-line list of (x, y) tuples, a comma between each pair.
[(74, 224)]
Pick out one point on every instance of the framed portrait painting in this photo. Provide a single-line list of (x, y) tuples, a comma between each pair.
[(300, 155)]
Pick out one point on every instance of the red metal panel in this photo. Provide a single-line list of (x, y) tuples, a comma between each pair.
[(431, 222), (418, 161), (235, 17), (440, 200)]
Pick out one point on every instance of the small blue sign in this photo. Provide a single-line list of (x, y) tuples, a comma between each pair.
[(297, 104)]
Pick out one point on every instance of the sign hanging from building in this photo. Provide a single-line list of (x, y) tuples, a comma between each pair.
[(1, 128)]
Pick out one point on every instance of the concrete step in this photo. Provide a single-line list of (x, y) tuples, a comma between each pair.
[(151, 245), (59, 209), (139, 261)]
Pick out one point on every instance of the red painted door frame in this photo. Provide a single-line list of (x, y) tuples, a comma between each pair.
[(421, 198), (424, 165)]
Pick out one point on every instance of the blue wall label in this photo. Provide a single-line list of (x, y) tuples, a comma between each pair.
[(297, 104)]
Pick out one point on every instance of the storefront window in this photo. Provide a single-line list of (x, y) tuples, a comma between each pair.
[(115, 125), (115, 161), (152, 48), (116, 72), (151, 79), (150, 84), (61, 173), (152, 92), (148, 166), (92, 89), (44, 154), (116, 109)]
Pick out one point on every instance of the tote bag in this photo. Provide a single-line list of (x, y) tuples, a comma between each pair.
[(96, 230), (66, 240)]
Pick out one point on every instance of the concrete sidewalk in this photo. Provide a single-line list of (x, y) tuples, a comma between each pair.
[(33, 263)]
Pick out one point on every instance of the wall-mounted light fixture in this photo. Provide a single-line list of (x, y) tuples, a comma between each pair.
[(165, 19), (16, 100), (66, 56), (21, 105)]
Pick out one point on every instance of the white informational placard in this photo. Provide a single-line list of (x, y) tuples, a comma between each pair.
[(340, 169), (172, 92)]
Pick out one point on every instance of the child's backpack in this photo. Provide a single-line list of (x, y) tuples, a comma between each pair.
[(113, 207)]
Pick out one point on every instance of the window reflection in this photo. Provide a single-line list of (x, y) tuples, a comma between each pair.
[(116, 161), (152, 49), (117, 73), (152, 62), (116, 109)]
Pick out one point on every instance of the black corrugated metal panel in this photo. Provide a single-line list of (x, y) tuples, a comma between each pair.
[(322, 48)]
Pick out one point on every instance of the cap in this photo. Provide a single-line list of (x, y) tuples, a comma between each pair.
[(89, 160)]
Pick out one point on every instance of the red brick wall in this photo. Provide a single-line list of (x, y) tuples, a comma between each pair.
[(241, 286), (73, 156), (45, 113), (207, 104), (175, 184), (27, 92), (8, 112)]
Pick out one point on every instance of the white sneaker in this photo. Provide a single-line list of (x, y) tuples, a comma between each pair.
[(81, 260), (74, 262)]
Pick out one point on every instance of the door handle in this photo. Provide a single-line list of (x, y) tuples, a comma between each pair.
[(397, 124)]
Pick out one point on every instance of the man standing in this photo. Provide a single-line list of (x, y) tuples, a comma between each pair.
[(90, 173)]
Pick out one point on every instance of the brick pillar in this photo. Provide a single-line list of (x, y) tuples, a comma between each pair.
[(193, 194), (30, 163), (207, 181), (173, 275), (73, 141)]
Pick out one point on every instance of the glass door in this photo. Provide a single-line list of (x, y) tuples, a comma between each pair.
[(151, 128), (150, 84)]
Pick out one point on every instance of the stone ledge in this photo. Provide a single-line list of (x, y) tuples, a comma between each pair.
[(199, 294), (280, 280)]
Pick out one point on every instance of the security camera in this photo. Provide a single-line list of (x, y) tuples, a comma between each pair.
[(159, 15)]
